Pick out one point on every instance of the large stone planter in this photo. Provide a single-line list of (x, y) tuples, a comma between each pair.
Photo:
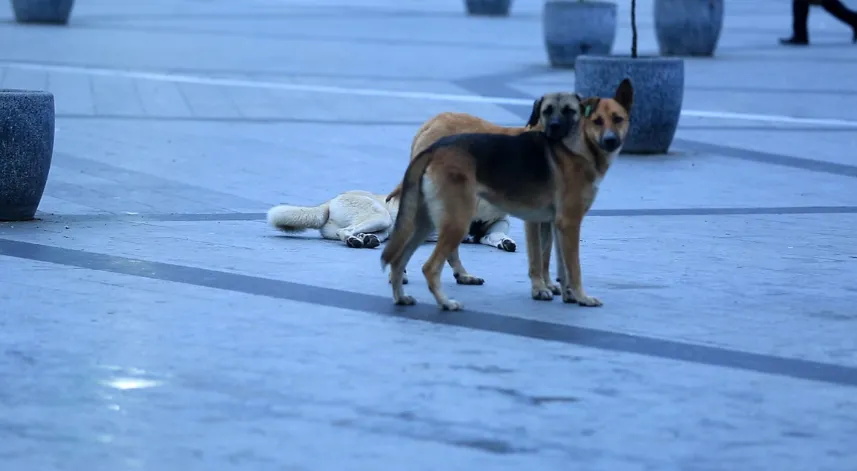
[(688, 27), (572, 28), (658, 95), (26, 149), (488, 7), (42, 11)]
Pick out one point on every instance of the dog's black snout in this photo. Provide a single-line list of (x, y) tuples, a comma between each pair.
[(610, 142), (554, 126)]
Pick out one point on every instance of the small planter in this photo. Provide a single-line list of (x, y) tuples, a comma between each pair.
[(658, 95), (688, 27), (42, 11), (574, 27), (26, 149), (488, 7)]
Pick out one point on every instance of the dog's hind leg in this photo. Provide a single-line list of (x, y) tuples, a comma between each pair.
[(422, 227), (451, 211), (362, 234), (496, 236)]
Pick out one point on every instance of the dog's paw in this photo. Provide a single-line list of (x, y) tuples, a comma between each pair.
[(370, 241), (354, 242), (581, 299), (555, 289), (542, 294), (405, 300), (508, 245), (468, 279), (451, 305)]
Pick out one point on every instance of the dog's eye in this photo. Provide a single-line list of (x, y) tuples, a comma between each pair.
[(618, 119), (566, 110), (548, 110), (599, 121)]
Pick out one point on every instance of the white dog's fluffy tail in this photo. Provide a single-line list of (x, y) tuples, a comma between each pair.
[(298, 218)]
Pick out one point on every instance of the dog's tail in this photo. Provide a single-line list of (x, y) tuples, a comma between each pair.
[(289, 218), (409, 205), (396, 192)]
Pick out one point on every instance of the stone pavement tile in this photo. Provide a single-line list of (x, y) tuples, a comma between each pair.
[(114, 95), (269, 383), (75, 94), (162, 99), (209, 101), (719, 280), (24, 79)]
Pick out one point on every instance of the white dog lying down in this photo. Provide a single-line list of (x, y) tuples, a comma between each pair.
[(364, 220)]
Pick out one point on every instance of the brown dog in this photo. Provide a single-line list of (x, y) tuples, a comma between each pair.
[(604, 128), (541, 177)]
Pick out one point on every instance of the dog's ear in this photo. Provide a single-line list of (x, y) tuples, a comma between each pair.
[(589, 105), (625, 94), (536, 113)]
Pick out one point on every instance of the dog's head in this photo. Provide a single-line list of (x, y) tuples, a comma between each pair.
[(557, 114), (605, 120)]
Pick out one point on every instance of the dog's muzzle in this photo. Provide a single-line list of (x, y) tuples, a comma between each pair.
[(554, 129), (610, 141)]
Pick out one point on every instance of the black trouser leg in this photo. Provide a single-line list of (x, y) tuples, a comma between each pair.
[(800, 15), (841, 12)]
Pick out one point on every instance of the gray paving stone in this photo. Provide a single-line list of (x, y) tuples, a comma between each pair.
[(726, 267)]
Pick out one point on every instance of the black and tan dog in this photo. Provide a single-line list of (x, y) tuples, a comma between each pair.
[(490, 225), (544, 177)]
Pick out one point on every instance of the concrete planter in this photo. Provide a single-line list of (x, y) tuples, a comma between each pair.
[(572, 28), (26, 149), (42, 11), (688, 27), (658, 95), (488, 7)]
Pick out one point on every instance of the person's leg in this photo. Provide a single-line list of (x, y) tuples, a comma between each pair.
[(843, 14), (800, 15)]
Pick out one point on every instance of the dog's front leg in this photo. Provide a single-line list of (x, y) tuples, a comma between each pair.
[(540, 291), (568, 229), (546, 236)]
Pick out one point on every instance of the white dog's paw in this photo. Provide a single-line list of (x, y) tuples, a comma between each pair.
[(370, 241), (507, 245), (354, 242)]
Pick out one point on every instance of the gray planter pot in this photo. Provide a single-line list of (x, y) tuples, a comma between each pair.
[(573, 28), (26, 149), (488, 7), (658, 94), (42, 11), (688, 27)]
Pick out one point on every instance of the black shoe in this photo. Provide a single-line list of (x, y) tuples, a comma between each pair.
[(794, 41)]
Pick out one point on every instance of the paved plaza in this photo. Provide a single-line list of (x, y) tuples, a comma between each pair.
[(152, 320)]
